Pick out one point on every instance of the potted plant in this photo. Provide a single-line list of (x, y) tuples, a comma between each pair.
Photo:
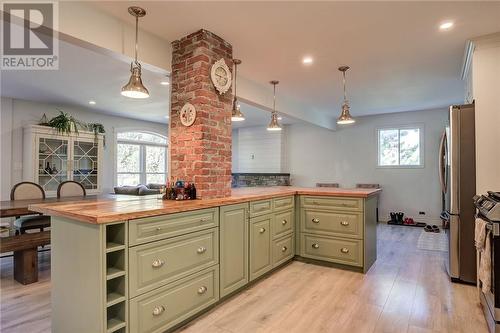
[(97, 128), (64, 123)]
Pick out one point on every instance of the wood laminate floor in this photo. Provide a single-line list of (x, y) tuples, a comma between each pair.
[(407, 290)]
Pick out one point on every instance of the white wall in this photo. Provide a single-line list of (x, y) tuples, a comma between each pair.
[(349, 156), (255, 149), (16, 114), (486, 90)]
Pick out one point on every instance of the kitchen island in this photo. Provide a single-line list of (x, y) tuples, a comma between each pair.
[(149, 265)]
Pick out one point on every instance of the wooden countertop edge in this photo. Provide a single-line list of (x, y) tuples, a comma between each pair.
[(184, 206)]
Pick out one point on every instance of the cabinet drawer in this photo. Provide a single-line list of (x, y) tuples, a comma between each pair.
[(156, 264), (283, 223), (166, 307), (283, 203), (343, 224), (160, 227), (342, 251), (261, 207), (260, 246), (282, 250), (332, 203)]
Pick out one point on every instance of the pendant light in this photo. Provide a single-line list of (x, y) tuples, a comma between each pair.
[(134, 88), (345, 116), (274, 125), (236, 114)]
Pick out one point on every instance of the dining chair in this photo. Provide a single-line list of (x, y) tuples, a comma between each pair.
[(70, 188), (29, 191)]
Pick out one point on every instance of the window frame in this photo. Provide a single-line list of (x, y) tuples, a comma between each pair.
[(421, 129), (142, 154)]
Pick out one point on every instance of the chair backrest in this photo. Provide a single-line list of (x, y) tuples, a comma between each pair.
[(71, 188), (327, 184), (27, 191), (367, 185)]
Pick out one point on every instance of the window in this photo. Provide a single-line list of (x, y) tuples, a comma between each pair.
[(141, 158), (400, 147)]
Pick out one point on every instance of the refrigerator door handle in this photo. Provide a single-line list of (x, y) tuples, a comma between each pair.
[(442, 163)]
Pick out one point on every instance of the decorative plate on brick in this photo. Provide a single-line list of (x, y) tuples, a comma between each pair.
[(187, 114), (221, 76)]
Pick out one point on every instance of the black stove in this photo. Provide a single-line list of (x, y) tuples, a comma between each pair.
[(488, 206)]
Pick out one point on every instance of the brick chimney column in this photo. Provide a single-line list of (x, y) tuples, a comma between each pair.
[(200, 153)]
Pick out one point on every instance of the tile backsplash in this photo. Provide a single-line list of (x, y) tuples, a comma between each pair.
[(260, 179)]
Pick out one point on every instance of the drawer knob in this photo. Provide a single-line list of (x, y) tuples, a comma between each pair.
[(344, 223), (157, 263), (315, 246), (315, 220), (158, 310), (284, 248), (262, 230), (202, 290), (203, 220), (344, 250), (284, 222), (158, 228), (201, 249)]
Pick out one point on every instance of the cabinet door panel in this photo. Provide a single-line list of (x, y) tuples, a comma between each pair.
[(334, 223), (233, 248), (283, 223), (260, 246)]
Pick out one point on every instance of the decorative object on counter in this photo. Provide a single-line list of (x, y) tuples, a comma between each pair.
[(345, 117), (180, 190), (97, 128), (260, 179), (236, 114), (64, 123), (134, 88), (187, 114), (274, 125), (221, 76)]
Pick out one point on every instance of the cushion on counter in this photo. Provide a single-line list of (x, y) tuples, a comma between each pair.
[(130, 190)]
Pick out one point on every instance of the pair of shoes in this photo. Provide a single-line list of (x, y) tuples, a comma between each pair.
[(431, 228), (409, 221)]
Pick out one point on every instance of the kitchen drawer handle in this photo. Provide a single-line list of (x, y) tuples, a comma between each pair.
[(202, 290), (201, 249), (315, 246), (158, 228), (203, 220), (262, 230), (315, 220), (157, 263), (344, 250), (158, 310), (344, 223), (284, 222), (284, 248)]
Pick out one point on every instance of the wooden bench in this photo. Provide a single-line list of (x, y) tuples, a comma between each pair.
[(25, 248)]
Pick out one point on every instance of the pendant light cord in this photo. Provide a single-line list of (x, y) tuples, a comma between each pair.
[(345, 95), (274, 99), (136, 36), (235, 74)]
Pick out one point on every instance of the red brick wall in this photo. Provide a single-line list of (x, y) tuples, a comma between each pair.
[(201, 153)]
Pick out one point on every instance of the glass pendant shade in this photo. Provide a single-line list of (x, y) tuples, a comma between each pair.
[(134, 88), (236, 114), (345, 117), (274, 125)]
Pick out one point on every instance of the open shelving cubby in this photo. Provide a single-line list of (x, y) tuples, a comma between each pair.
[(116, 277)]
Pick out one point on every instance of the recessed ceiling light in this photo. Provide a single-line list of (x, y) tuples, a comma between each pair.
[(164, 83), (446, 25), (92, 102), (307, 60), (279, 118)]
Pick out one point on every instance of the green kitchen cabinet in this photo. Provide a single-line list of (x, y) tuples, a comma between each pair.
[(260, 245), (233, 247)]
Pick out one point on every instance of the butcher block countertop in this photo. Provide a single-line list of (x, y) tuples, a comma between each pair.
[(108, 210)]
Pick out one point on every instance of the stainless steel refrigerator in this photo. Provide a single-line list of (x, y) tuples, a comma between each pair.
[(457, 174)]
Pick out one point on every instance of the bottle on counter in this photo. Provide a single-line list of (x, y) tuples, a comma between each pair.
[(187, 191), (48, 169), (192, 193)]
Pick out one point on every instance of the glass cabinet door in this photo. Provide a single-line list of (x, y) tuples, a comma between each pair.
[(85, 166), (52, 162)]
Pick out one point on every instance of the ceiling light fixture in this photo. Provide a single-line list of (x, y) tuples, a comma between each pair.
[(134, 88), (274, 125), (307, 60), (345, 116), (92, 102), (446, 25), (236, 114)]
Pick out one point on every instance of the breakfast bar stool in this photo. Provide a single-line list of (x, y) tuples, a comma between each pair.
[(27, 191), (70, 188)]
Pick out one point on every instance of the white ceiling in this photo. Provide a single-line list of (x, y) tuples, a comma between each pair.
[(399, 59), (85, 75)]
